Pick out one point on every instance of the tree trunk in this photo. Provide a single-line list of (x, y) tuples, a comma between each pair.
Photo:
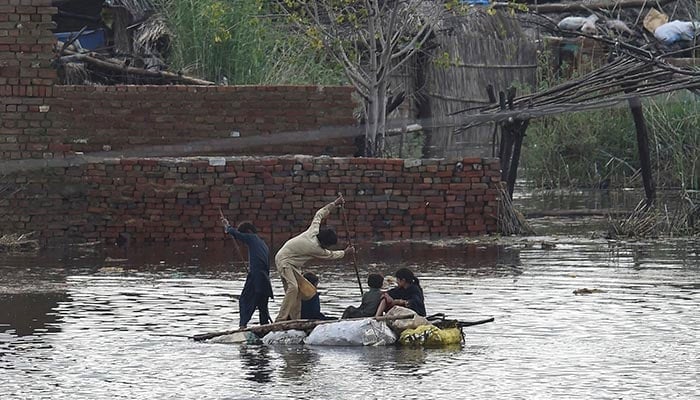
[(373, 111), (381, 124)]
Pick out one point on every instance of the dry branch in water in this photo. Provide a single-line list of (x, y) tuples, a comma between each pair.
[(510, 220), (18, 242)]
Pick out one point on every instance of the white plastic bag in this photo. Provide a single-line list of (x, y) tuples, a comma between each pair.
[(674, 31), (366, 332), (284, 337)]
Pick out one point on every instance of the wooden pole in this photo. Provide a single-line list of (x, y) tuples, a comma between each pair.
[(519, 134), (91, 58), (354, 254), (507, 133), (643, 145)]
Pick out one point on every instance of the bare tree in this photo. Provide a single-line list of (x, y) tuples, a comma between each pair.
[(370, 39)]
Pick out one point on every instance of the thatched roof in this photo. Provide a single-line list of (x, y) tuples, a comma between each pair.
[(140, 9)]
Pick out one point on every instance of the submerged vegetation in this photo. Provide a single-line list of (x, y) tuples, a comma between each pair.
[(643, 221)]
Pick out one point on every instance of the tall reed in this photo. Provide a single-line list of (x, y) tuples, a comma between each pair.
[(238, 40)]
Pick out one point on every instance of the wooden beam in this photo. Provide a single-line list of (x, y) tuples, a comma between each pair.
[(91, 58), (583, 6)]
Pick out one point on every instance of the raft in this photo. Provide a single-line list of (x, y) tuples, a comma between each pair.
[(347, 332)]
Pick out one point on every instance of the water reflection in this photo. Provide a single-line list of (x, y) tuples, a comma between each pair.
[(256, 363), (298, 361), (26, 314)]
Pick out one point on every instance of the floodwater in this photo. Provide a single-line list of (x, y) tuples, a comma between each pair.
[(89, 323)]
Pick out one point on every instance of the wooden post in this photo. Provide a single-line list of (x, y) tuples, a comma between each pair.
[(519, 134), (643, 145), (507, 139)]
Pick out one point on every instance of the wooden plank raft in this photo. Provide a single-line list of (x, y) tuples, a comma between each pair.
[(308, 325), (297, 324)]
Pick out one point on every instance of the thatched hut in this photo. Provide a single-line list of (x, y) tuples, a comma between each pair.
[(471, 51)]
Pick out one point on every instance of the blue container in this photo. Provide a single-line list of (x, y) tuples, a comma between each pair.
[(90, 40), (475, 2)]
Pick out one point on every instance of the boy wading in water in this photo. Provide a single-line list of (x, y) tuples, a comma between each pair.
[(312, 243), (257, 289)]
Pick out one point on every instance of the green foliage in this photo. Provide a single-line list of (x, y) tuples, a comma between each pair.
[(600, 147), (234, 39), (411, 146), (675, 121), (574, 149)]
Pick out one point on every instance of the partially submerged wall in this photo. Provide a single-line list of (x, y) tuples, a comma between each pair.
[(145, 200)]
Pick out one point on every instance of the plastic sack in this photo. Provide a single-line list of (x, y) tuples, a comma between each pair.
[(413, 320), (366, 332), (284, 337), (654, 19), (430, 335), (585, 24), (674, 31), (237, 338)]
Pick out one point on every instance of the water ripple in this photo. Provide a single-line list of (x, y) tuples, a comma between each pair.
[(86, 332)]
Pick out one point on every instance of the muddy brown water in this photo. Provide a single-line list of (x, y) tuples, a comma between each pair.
[(88, 323)]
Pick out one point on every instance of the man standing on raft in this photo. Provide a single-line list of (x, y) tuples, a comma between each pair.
[(312, 243)]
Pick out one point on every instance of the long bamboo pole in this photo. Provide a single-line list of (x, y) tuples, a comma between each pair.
[(354, 254)]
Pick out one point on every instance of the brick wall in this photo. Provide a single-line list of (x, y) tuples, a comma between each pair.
[(122, 118), (88, 118), (26, 76), (158, 200), (39, 119)]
